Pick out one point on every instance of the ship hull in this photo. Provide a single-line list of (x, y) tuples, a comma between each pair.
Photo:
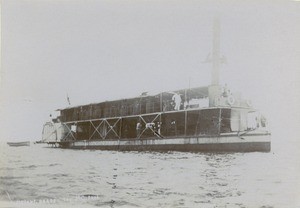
[(223, 143)]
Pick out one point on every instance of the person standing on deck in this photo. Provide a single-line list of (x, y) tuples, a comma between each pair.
[(138, 129), (177, 100)]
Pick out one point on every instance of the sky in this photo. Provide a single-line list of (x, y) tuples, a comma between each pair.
[(94, 51)]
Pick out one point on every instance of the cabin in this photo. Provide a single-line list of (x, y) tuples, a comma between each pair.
[(180, 113), (144, 104)]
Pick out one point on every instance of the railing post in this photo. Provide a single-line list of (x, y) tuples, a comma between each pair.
[(220, 120)]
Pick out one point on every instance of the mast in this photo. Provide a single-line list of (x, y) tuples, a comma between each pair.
[(214, 89), (215, 73)]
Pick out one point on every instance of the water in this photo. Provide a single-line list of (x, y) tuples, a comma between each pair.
[(36, 176)]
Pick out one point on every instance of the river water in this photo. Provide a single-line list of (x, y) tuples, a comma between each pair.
[(38, 176)]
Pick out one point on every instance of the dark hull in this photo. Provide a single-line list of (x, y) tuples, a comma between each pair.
[(251, 143), (238, 147)]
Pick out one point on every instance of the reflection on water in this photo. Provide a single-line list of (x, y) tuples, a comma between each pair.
[(146, 179)]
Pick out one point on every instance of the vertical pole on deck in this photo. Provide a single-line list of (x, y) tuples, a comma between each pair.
[(185, 114), (219, 123), (185, 122), (160, 102), (160, 124), (89, 133), (161, 110)]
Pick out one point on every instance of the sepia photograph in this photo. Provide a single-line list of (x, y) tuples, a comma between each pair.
[(148, 103)]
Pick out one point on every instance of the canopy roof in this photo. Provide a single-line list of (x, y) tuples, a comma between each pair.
[(197, 92)]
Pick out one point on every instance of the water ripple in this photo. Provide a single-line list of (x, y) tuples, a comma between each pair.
[(146, 179)]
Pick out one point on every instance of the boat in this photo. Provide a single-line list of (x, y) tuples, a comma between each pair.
[(202, 119), (18, 144)]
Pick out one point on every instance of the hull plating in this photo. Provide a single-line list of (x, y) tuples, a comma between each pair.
[(225, 143)]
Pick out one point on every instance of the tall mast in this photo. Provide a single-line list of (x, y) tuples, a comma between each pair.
[(214, 90), (215, 73)]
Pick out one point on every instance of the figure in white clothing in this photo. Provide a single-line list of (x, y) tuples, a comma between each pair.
[(177, 100)]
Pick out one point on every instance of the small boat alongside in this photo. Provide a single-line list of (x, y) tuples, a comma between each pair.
[(18, 144)]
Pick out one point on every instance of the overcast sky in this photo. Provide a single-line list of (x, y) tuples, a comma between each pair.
[(103, 50)]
